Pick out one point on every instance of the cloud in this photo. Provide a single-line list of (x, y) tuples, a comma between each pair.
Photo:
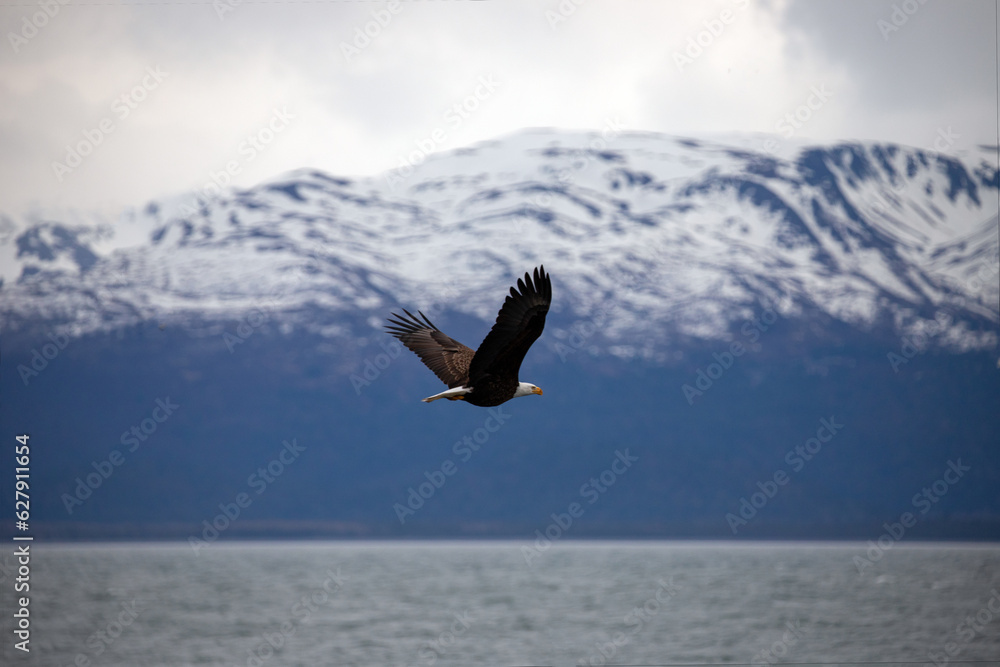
[(758, 61), (937, 67)]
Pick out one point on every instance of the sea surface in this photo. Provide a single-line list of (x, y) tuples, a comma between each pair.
[(507, 603)]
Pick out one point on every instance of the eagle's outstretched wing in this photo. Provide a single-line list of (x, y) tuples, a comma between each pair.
[(444, 355), (519, 324)]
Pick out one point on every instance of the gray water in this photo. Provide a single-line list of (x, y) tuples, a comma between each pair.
[(452, 603)]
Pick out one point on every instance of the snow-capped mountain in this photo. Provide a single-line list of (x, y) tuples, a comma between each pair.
[(660, 249), (681, 235)]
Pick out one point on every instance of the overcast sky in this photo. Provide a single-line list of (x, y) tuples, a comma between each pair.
[(161, 96)]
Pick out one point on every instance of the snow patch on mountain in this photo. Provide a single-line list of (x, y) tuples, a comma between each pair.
[(675, 234)]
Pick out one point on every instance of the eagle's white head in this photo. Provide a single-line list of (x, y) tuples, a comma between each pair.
[(526, 389)]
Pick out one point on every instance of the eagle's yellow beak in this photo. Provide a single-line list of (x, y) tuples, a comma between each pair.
[(537, 390)]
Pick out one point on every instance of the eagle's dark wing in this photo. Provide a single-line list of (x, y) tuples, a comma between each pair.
[(519, 324), (448, 358)]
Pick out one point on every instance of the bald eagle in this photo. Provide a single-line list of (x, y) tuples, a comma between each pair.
[(487, 376)]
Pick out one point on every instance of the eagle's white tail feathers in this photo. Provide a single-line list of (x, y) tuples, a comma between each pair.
[(452, 394)]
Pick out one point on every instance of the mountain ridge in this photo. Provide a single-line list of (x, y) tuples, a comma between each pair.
[(859, 231)]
